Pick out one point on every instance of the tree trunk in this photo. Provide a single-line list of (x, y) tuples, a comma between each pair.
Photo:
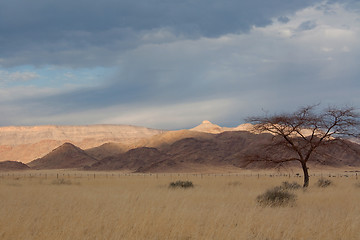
[(306, 174)]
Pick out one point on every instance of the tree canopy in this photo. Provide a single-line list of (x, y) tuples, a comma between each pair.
[(306, 129)]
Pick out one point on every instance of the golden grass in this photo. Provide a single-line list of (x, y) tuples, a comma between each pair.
[(143, 207)]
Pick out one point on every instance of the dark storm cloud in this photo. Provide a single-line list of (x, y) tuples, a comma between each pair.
[(92, 33)]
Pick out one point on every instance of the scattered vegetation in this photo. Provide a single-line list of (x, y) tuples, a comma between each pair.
[(61, 181), (290, 186), (276, 197), (109, 206), (234, 184), (322, 182), (181, 184)]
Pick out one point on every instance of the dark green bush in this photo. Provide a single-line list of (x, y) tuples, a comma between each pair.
[(276, 197), (181, 184), (322, 182)]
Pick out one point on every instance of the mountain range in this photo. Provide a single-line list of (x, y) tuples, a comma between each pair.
[(26, 143), (204, 148)]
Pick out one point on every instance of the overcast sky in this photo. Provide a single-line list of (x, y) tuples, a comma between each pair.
[(171, 64)]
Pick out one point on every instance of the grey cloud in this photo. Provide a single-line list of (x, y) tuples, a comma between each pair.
[(307, 25), (283, 19), (159, 75), (90, 33), (351, 4), (252, 70)]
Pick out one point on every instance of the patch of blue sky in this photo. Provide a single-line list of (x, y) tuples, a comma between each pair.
[(54, 76)]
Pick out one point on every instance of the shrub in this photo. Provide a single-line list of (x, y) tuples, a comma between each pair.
[(276, 197), (290, 186), (322, 182), (235, 183), (181, 184), (61, 181)]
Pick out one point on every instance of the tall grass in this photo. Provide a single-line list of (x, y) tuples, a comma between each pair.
[(138, 207)]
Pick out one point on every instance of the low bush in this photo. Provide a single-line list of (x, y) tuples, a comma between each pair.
[(181, 184), (322, 182), (290, 186), (276, 197), (61, 181), (234, 184)]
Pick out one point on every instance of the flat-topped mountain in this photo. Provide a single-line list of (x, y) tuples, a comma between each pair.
[(26, 143), (31, 134), (209, 127)]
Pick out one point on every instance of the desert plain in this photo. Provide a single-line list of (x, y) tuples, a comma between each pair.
[(117, 186), (115, 205)]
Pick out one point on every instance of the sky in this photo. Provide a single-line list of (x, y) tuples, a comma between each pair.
[(172, 64)]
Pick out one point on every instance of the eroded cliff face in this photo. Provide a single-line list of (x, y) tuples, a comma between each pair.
[(26, 143), (32, 134)]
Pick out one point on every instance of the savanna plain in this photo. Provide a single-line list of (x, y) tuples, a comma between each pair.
[(78, 205)]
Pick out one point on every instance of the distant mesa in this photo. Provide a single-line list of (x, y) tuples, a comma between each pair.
[(207, 126), (26, 143)]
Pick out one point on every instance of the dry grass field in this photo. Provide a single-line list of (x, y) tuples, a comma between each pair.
[(114, 206)]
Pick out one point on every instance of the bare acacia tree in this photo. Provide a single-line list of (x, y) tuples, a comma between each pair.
[(304, 130)]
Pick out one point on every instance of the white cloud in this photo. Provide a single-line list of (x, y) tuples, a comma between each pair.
[(6, 76), (246, 57)]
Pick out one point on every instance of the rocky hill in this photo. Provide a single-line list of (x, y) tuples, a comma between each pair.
[(226, 150), (65, 156), (13, 166)]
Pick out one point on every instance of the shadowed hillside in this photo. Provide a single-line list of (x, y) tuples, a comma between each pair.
[(232, 150), (13, 166), (65, 156), (106, 150)]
